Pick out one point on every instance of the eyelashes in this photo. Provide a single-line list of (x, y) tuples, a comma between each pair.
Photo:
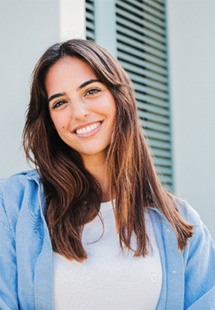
[(88, 94), (93, 91), (58, 104)]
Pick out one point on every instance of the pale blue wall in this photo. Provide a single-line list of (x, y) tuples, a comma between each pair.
[(192, 77), (27, 28)]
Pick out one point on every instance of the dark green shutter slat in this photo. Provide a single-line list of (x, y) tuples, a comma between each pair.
[(159, 144), (143, 98), (142, 11), (131, 35), (164, 162), (147, 57), (130, 24), (164, 170), (149, 121), (148, 90), (147, 124), (154, 3), (162, 153), (153, 109), (140, 49), (158, 119), (90, 20), (125, 60), (136, 77), (139, 46), (154, 134)]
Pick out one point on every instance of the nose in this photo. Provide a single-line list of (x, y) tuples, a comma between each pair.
[(79, 110)]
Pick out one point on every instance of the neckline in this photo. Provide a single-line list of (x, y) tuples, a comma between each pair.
[(106, 205)]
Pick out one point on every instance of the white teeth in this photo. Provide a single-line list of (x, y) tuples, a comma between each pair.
[(87, 129)]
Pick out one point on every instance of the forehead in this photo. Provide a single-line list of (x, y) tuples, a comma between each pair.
[(68, 72)]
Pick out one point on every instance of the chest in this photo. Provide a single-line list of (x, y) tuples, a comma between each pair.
[(109, 278)]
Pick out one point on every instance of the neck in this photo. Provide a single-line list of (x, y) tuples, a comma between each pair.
[(98, 168)]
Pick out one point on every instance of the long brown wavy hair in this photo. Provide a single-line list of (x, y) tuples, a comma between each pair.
[(73, 195)]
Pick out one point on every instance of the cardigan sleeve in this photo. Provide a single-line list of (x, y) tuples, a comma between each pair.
[(200, 268), (8, 270)]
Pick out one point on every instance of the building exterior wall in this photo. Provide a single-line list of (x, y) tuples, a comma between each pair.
[(191, 27), (25, 34), (27, 28)]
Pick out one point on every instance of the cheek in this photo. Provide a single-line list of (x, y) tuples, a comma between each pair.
[(110, 107), (59, 123)]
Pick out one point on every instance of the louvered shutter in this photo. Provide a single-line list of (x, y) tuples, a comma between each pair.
[(142, 51), (90, 20)]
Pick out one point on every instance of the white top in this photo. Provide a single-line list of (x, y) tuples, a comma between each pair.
[(108, 279)]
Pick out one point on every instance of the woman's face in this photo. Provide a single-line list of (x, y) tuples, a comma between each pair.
[(81, 107)]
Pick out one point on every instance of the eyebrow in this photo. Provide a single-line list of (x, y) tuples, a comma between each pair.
[(80, 87), (87, 83), (56, 96)]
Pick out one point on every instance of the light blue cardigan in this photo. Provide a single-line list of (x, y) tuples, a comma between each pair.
[(26, 254)]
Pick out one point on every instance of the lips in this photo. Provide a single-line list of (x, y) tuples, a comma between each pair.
[(87, 129)]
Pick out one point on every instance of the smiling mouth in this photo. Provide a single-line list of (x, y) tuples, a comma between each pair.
[(87, 129)]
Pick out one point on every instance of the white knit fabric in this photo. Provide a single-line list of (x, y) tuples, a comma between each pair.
[(108, 279)]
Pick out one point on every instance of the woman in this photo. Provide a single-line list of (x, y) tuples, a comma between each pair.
[(92, 227)]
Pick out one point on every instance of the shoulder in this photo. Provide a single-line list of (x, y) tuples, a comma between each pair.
[(200, 231), (188, 212), (185, 210), (15, 186), (191, 216), (199, 258), (15, 192), (19, 178), (201, 241)]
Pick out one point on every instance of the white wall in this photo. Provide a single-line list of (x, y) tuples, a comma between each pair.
[(191, 25), (27, 28)]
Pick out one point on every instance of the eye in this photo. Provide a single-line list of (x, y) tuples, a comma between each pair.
[(58, 104), (93, 91)]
